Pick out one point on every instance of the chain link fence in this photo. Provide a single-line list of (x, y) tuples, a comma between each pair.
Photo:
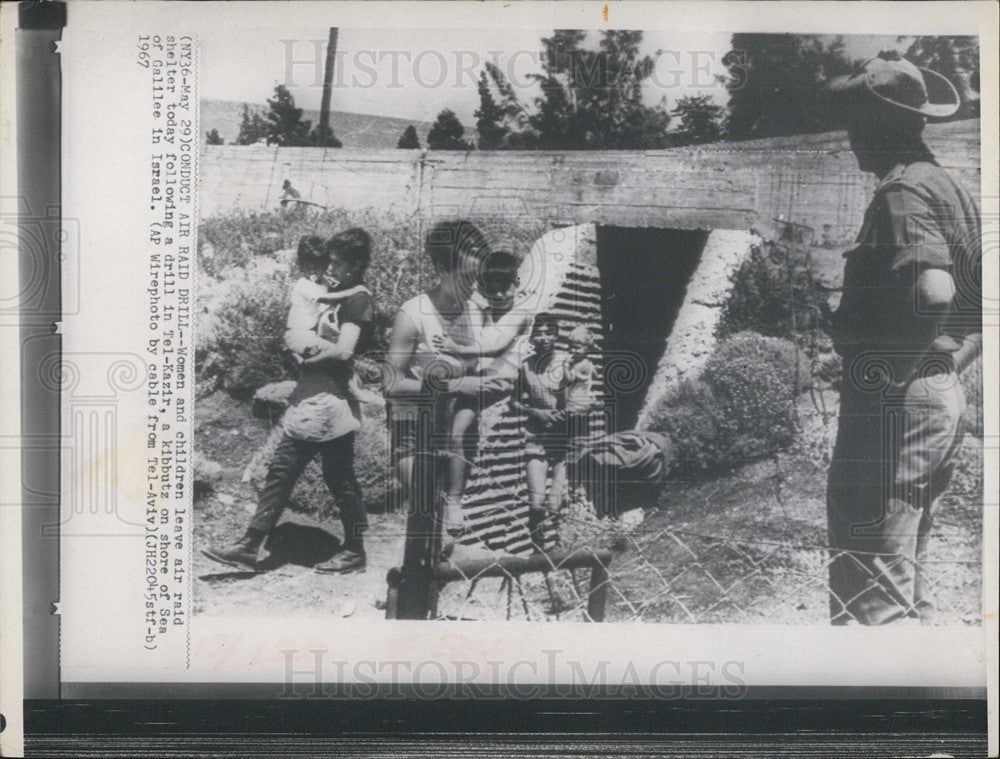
[(623, 570), (635, 562)]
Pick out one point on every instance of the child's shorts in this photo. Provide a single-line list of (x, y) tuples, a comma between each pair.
[(551, 451)]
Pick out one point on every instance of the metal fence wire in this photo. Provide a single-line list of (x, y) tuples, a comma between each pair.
[(594, 565), (611, 569)]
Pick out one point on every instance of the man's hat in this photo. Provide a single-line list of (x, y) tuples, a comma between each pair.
[(897, 82)]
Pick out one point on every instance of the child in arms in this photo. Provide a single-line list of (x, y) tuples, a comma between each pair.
[(493, 328)]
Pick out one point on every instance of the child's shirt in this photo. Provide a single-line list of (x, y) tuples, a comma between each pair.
[(579, 375), (336, 377), (541, 387), (303, 316), (502, 338), (311, 322)]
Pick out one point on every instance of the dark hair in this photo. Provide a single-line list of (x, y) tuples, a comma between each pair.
[(311, 254), (497, 272), (545, 319), (447, 240), (353, 246)]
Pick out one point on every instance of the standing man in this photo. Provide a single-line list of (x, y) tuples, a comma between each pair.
[(909, 321)]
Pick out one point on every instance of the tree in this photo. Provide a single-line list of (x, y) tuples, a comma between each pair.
[(489, 117), (446, 133), (409, 140), (775, 84), (956, 59), (514, 117), (213, 138), (590, 99), (285, 126), (323, 137), (701, 120), (253, 128)]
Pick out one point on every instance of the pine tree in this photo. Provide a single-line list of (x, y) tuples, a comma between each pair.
[(409, 140), (213, 137), (489, 117), (775, 84), (700, 120), (253, 128), (590, 99), (285, 126), (446, 133)]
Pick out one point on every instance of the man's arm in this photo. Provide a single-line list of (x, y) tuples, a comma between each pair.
[(924, 300), (920, 258)]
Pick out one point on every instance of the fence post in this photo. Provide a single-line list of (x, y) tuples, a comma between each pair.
[(598, 593), (415, 596)]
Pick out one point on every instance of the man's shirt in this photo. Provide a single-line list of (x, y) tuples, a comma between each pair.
[(919, 218)]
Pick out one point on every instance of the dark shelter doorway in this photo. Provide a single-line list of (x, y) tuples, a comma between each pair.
[(644, 278)]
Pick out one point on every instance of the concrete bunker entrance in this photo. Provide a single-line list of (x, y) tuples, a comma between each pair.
[(644, 276)]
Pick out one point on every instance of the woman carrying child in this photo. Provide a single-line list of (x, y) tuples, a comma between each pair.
[(456, 250), (488, 349), (323, 413)]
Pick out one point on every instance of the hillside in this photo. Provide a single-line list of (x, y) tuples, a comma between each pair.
[(355, 130)]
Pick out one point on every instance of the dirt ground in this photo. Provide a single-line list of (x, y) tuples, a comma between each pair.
[(744, 546)]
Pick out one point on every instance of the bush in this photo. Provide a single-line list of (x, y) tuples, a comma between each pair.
[(240, 341), (741, 408), (773, 294)]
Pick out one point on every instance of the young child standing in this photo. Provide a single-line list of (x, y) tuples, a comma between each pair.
[(579, 377), (322, 415), (539, 394)]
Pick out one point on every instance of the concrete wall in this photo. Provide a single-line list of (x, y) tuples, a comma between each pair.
[(810, 179)]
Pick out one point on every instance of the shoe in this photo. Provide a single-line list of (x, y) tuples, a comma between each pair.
[(343, 563), (241, 554)]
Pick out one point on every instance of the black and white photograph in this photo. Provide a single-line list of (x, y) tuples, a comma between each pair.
[(560, 371), (579, 325)]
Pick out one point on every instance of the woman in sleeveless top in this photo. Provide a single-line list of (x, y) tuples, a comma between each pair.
[(455, 249)]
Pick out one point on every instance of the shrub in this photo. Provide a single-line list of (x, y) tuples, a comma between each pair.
[(240, 341), (773, 294), (741, 408)]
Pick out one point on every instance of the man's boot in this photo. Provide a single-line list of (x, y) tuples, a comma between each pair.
[(242, 554)]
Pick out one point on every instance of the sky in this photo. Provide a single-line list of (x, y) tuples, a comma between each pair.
[(415, 73)]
